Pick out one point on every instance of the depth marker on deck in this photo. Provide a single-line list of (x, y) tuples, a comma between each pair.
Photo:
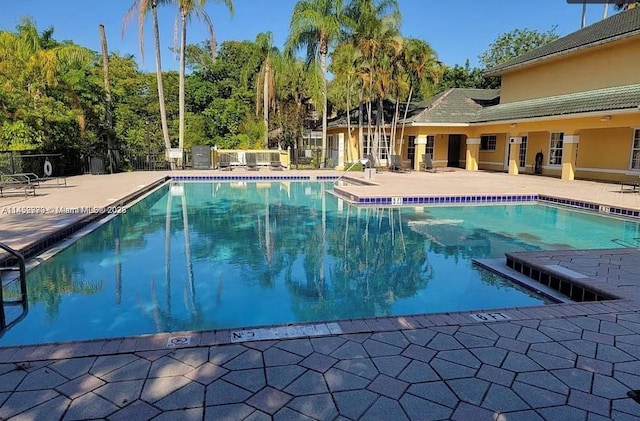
[(285, 332)]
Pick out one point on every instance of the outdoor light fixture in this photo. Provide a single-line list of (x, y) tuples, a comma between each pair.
[(513, 125), (605, 118)]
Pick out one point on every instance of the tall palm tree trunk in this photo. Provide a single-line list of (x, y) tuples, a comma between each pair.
[(183, 46), (265, 103), (348, 139), (323, 66), (360, 123), (406, 111), (163, 110), (108, 102)]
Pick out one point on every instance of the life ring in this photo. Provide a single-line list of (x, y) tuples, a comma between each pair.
[(48, 168)]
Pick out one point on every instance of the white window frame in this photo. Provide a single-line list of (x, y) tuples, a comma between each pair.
[(554, 158), (634, 164), (522, 152), (430, 145), (384, 142), (489, 139)]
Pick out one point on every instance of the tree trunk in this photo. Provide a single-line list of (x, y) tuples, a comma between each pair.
[(108, 103), (348, 139), (584, 14), (183, 46), (406, 111), (323, 67), (360, 123), (163, 109), (265, 102)]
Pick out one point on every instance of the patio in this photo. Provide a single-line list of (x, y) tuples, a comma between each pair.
[(558, 362)]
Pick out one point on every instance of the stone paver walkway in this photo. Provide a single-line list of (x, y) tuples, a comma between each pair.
[(557, 362), (573, 362)]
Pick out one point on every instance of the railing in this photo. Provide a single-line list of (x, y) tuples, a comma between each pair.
[(264, 157), (23, 287)]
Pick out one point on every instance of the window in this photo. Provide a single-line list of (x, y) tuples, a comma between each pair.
[(555, 149), (330, 142), (488, 143), (383, 146), (523, 153), (635, 150), (431, 142)]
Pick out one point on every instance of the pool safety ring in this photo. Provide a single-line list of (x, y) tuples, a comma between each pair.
[(48, 168)]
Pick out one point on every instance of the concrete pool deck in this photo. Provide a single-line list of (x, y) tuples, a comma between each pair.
[(558, 362)]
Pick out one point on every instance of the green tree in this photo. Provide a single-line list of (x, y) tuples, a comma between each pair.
[(268, 53), (423, 70), (316, 25), (142, 8), (186, 10), (515, 43)]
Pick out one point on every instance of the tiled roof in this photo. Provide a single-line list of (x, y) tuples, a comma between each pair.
[(456, 105), (621, 25), (607, 99)]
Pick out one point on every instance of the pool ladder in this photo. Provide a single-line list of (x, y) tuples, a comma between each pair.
[(22, 277)]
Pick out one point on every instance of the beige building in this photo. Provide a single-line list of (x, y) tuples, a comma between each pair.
[(568, 109)]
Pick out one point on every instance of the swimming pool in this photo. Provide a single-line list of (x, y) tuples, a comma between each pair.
[(285, 252)]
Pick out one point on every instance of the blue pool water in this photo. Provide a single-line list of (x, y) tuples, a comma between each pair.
[(270, 253)]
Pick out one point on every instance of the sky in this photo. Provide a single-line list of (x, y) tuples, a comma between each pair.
[(457, 29)]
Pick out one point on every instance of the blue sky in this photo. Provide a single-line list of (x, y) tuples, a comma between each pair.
[(456, 29)]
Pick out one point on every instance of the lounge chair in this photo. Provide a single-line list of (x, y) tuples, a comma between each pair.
[(275, 161), (427, 164), (252, 163), (395, 164), (17, 183), (225, 162)]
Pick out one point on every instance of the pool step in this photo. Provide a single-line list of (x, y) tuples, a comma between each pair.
[(569, 283), (498, 266)]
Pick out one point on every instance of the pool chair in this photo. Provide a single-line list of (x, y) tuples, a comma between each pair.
[(427, 164), (275, 162), (395, 164), (225, 162), (252, 162), (19, 183)]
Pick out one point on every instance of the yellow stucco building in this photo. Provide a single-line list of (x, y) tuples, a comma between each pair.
[(568, 109)]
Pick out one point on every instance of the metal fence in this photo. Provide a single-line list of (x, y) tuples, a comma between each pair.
[(39, 163)]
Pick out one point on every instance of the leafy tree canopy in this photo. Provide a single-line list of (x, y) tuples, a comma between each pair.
[(512, 44)]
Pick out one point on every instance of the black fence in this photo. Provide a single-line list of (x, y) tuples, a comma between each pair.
[(43, 164)]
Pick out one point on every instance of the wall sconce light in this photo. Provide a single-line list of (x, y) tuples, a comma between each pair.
[(605, 118), (513, 125)]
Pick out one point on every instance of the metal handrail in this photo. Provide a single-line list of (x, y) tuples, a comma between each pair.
[(23, 283)]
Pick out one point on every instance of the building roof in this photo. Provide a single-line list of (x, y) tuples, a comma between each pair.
[(607, 99), (456, 105), (468, 106), (619, 26)]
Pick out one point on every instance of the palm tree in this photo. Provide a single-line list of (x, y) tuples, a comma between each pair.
[(187, 9), (374, 29), (422, 66), (141, 8), (264, 42), (316, 25), (344, 62)]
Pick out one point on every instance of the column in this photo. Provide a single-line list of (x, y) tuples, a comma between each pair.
[(340, 150), (514, 154), (421, 149), (569, 155), (473, 153)]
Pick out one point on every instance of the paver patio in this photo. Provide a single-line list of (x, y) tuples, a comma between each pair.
[(558, 362)]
